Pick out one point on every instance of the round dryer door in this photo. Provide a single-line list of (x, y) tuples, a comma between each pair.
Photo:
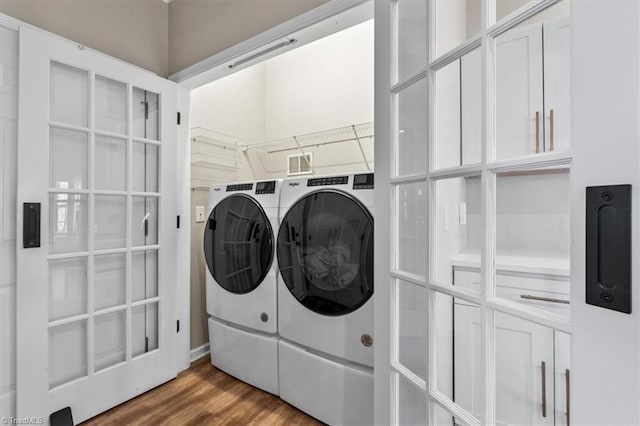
[(238, 244), (325, 252)]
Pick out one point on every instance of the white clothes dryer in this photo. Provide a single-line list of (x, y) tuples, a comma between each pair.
[(241, 282), (325, 304)]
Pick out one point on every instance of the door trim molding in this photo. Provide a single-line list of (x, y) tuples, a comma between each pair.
[(215, 67)]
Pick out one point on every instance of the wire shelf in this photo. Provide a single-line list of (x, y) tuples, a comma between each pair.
[(325, 137)]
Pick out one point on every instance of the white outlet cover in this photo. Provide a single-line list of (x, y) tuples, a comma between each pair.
[(199, 214)]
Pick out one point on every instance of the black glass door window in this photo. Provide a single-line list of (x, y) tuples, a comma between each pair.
[(238, 244), (325, 252)]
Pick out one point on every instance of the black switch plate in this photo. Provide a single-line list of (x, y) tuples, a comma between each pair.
[(608, 247), (31, 225)]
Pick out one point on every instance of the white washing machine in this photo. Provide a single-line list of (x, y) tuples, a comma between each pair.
[(239, 248), (325, 308)]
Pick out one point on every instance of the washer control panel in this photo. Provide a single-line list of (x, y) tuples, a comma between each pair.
[(268, 187), (240, 187), (363, 181), (333, 180)]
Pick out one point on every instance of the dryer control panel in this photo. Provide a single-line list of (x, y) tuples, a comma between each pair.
[(240, 187), (363, 181), (333, 180), (268, 187)]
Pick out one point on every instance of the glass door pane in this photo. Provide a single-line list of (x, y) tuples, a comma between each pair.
[(524, 371), (533, 238), (69, 95), (519, 92), (456, 22), (411, 406), (111, 105), (457, 230), (412, 327), (145, 114), (411, 147), (411, 37), (411, 225)]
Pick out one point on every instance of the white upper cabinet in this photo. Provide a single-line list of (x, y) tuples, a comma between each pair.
[(532, 89), (557, 84), (519, 92)]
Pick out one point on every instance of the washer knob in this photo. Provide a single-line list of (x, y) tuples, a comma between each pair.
[(366, 340)]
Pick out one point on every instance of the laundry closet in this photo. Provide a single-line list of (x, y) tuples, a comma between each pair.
[(282, 203)]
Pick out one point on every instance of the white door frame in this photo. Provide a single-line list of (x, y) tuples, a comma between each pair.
[(304, 28)]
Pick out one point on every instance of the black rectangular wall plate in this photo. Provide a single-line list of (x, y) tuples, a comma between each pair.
[(608, 247), (31, 225)]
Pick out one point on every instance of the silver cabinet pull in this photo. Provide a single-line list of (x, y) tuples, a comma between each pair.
[(551, 129), (537, 132), (544, 299), (567, 394), (544, 389)]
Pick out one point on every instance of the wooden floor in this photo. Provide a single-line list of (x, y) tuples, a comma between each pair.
[(204, 395)]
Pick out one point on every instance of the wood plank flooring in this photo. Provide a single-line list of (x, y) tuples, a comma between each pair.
[(204, 395)]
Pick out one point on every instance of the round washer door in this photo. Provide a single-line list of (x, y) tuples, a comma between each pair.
[(238, 244), (325, 252)]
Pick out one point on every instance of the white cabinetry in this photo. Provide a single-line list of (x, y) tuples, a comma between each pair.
[(533, 89), (531, 359)]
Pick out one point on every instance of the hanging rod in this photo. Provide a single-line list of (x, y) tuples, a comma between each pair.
[(312, 145)]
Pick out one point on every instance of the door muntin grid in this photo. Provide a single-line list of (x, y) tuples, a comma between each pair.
[(90, 215), (238, 244), (485, 262)]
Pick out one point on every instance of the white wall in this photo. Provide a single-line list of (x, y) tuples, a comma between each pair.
[(325, 84), (233, 105), (319, 86), (8, 187)]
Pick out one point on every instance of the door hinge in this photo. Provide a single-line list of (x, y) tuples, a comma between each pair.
[(179, 118), (146, 227), (146, 344), (178, 326), (146, 110), (178, 222)]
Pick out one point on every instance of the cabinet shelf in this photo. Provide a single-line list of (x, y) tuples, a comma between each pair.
[(543, 262)]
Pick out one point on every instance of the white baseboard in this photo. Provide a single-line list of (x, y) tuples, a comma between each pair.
[(199, 352), (7, 403)]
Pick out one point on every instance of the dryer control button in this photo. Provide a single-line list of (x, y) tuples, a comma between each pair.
[(264, 317), (366, 340)]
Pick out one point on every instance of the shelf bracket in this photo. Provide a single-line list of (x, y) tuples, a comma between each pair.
[(355, 132), (304, 155)]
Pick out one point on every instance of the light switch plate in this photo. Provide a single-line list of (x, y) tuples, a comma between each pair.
[(463, 213), (199, 214)]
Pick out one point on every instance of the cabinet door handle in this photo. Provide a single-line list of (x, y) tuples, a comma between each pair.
[(537, 132), (544, 299), (544, 388), (551, 129), (567, 394)]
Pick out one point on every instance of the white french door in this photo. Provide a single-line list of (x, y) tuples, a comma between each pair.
[(480, 214), (97, 147)]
